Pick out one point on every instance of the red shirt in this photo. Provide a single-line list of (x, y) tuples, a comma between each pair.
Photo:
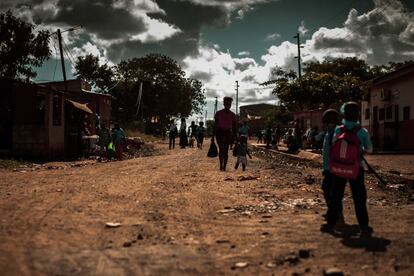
[(225, 119)]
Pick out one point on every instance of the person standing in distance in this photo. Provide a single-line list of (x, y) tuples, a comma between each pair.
[(225, 127)]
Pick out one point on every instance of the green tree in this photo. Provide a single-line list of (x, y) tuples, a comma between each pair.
[(279, 116), (380, 70), (89, 69), (21, 47), (324, 84), (166, 92), (349, 66)]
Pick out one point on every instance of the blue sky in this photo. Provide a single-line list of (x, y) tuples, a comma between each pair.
[(283, 18), (221, 41)]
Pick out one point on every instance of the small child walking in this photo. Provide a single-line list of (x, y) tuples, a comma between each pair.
[(241, 152)]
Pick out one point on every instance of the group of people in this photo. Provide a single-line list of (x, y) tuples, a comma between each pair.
[(111, 142), (344, 144), (270, 137), (292, 137), (194, 134)]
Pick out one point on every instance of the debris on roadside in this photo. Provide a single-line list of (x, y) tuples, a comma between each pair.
[(127, 244), (222, 241), (310, 179), (247, 177), (112, 224), (240, 265), (225, 211), (333, 271)]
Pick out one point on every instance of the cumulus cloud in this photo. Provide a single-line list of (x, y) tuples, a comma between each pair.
[(121, 29), (385, 33)]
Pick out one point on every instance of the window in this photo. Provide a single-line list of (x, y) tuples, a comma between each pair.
[(406, 113), (388, 112), (57, 110), (381, 114), (367, 114)]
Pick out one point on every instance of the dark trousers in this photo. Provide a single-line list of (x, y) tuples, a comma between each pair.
[(327, 186), (172, 142), (119, 149), (200, 140), (359, 195), (223, 142)]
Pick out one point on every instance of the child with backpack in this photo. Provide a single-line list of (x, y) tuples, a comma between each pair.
[(330, 120), (349, 142), (240, 151)]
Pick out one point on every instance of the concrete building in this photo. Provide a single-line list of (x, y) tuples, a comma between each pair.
[(45, 120), (388, 113), (308, 119)]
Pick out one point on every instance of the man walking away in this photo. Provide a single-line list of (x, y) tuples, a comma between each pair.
[(224, 129)]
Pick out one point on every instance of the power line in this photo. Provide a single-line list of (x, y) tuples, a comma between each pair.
[(56, 58), (68, 54)]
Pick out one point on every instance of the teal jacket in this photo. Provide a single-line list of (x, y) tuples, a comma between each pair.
[(363, 135)]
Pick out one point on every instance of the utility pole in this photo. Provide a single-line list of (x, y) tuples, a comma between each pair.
[(297, 36), (62, 59), (237, 98), (215, 106)]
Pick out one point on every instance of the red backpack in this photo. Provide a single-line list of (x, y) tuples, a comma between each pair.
[(345, 155)]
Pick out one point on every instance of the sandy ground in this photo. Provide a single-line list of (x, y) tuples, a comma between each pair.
[(180, 215)]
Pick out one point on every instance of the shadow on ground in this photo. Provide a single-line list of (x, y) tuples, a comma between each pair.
[(349, 235)]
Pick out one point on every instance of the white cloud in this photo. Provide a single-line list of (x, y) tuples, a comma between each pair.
[(386, 33), (89, 48), (156, 31), (223, 70), (271, 37), (242, 12), (244, 53), (302, 29)]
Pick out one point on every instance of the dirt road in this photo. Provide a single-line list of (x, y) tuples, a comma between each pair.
[(180, 215)]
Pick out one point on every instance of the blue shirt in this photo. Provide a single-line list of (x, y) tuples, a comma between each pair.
[(363, 135), (244, 130)]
